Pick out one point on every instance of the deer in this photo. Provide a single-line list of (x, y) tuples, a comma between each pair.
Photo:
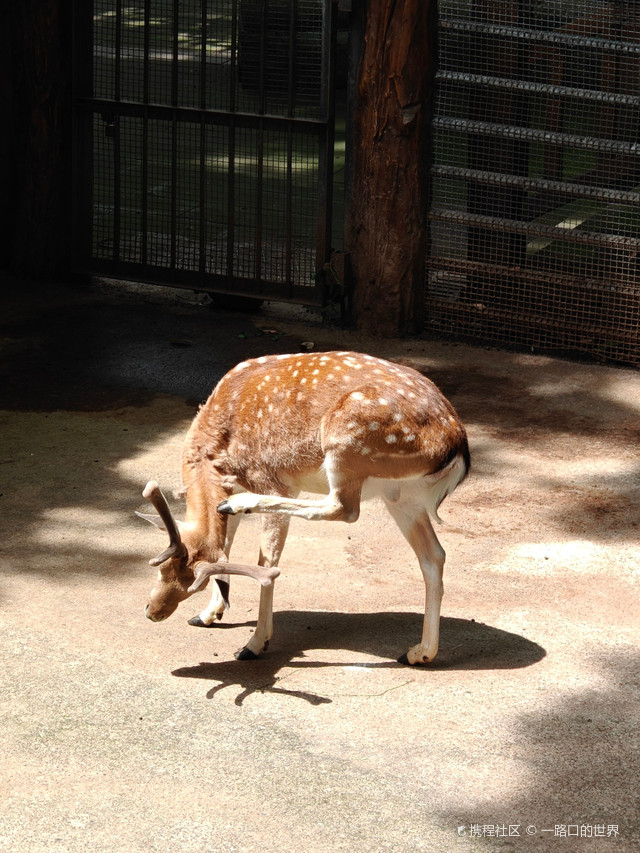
[(341, 426)]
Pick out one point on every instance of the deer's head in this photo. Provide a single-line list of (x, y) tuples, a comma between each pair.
[(181, 572), (176, 576)]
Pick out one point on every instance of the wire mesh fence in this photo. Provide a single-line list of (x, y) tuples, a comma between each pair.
[(535, 219), (211, 141)]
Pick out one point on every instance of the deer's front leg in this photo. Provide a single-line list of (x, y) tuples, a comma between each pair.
[(272, 539), (219, 601)]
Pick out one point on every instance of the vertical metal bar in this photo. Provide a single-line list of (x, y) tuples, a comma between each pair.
[(290, 112), (145, 133), (262, 88), (117, 71), (174, 136), (203, 142), (326, 142), (117, 194), (82, 139), (232, 145)]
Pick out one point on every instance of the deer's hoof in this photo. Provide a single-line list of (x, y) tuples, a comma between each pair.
[(424, 661), (197, 622), (245, 654)]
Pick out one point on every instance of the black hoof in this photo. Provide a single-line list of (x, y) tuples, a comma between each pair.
[(226, 508), (245, 654), (198, 623), (404, 660)]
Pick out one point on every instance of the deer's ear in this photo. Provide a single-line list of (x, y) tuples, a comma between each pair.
[(152, 519)]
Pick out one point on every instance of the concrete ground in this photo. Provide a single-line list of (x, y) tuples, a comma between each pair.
[(123, 735)]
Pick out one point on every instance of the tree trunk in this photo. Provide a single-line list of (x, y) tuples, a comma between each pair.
[(387, 212)]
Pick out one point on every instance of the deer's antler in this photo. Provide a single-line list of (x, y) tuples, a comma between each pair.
[(176, 547)]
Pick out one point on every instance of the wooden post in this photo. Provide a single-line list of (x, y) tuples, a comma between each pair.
[(388, 195)]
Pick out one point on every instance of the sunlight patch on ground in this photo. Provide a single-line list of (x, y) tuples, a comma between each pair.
[(579, 555), (76, 528)]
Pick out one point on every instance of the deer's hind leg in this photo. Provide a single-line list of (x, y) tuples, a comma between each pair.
[(413, 520)]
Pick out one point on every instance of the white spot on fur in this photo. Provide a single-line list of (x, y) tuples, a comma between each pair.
[(357, 395), (374, 425), (391, 439), (242, 365)]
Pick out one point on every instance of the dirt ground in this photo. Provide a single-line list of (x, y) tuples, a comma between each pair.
[(123, 735)]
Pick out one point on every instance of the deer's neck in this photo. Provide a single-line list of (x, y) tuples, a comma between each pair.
[(205, 527)]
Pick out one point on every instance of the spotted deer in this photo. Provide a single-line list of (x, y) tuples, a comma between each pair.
[(341, 425)]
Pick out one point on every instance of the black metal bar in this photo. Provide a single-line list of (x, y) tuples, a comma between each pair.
[(542, 36), (567, 188), (211, 116), (82, 138), (202, 173), (532, 87), (117, 191), (262, 90), (231, 162), (117, 71), (534, 229), (528, 134), (461, 268), (174, 135), (518, 320), (145, 133), (289, 144), (326, 142), (214, 283)]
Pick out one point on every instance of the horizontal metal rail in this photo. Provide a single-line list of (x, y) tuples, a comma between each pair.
[(526, 134), (534, 276), (535, 229), (542, 36), (532, 87), (195, 115), (476, 176), (517, 321)]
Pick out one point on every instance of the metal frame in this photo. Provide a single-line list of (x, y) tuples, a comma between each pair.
[(236, 121), (534, 225)]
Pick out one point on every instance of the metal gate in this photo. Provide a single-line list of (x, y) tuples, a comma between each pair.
[(204, 143), (535, 224)]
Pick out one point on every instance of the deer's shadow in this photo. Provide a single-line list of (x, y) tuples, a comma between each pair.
[(464, 644)]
